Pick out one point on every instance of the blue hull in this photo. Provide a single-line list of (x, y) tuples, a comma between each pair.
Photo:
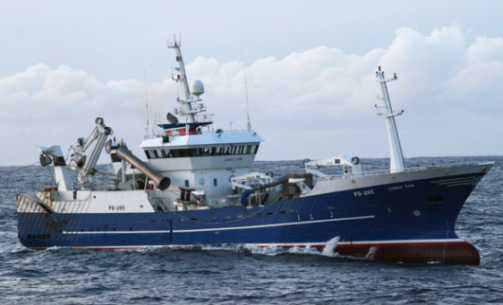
[(393, 223)]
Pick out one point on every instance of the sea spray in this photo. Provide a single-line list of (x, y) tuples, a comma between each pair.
[(371, 254), (330, 247)]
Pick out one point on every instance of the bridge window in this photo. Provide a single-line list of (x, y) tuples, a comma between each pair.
[(218, 150), (203, 151), (207, 151), (151, 154), (166, 153), (194, 152)]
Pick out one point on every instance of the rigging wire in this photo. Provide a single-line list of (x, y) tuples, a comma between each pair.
[(53, 183), (26, 166)]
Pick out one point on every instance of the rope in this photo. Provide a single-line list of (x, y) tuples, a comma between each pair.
[(52, 177), (26, 166)]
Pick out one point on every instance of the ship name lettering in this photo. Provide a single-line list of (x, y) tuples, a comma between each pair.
[(364, 193), (400, 187), (229, 159), (394, 188), (116, 208)]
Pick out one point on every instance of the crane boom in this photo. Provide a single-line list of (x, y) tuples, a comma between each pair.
[(85, 163)]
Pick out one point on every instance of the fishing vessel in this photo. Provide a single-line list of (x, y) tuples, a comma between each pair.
[(196, 188)]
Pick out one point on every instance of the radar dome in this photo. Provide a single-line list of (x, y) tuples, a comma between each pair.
[(197, 88)]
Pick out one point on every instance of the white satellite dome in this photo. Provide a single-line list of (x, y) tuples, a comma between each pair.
[(197, 88)]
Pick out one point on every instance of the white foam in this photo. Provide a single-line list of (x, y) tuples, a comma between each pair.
[(330, 246), (371, 254), (329, 249), (53, 248), (12, 248), (304, 250), (271, 250)]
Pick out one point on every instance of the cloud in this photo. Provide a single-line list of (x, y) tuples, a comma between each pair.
[(65, 94), (485, 50), (318, 97)]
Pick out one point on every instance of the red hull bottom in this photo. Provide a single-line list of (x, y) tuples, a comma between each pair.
[(448, 253), (452, 253)]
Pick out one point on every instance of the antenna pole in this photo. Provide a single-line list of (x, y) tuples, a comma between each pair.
[(146, 99), (246, 92), (189, 107), (181, 79)]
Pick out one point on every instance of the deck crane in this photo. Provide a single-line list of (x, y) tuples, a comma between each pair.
[(85, 163)]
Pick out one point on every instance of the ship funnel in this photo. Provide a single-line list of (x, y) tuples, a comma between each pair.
[(159, 180)]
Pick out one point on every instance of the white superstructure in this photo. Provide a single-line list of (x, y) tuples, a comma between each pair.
[(200, 162)]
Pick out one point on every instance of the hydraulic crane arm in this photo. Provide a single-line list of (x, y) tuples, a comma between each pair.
[(85, 163)]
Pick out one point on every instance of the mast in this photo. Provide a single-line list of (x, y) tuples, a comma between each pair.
[(186, 110), (396, 154)]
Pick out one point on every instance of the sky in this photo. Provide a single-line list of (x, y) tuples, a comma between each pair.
[(309, 66)]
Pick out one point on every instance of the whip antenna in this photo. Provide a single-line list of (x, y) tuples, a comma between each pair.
[(246, 92), (147, 130)]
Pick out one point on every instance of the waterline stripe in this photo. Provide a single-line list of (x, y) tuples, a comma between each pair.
[(387, 242), (282, 245)]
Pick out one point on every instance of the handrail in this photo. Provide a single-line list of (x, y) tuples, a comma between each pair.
[(409, 169), (153, 136)]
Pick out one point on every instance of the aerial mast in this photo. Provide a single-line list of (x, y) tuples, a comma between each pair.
[(181, 78), (246, 91), (396, 154)]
